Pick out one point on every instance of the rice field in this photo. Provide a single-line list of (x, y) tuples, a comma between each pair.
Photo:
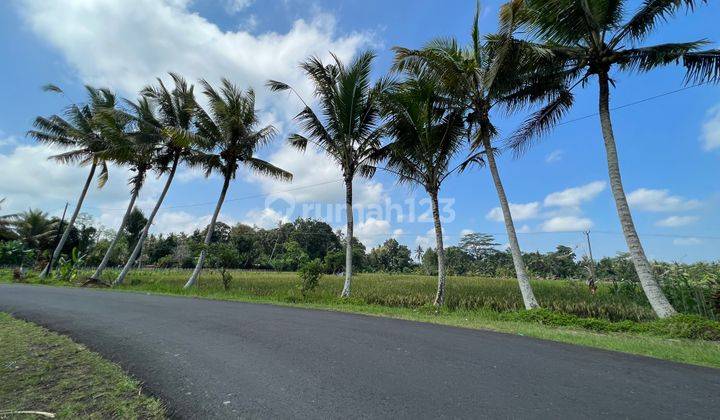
[(402, 291)]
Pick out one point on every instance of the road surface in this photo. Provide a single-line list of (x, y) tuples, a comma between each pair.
[(212, 359)]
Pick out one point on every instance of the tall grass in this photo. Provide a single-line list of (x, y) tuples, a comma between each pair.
[(406, 291)]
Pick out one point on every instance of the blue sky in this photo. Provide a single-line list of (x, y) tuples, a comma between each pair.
[(669, 147)]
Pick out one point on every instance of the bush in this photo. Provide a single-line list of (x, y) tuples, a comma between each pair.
[(310, 273), (678, 326)]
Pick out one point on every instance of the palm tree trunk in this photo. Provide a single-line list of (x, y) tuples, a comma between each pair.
[(654, 293), (348, 239), (71, 222), (440, 295), (208, 236), (146, 229), (521, 273), (108, 253)]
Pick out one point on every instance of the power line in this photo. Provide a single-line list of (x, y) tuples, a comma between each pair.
[(633, 103)]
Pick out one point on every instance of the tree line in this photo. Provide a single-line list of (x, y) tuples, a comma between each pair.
[(432, 116), (28, 238)]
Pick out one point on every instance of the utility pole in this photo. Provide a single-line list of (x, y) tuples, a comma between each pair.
[(591, 282), (60, 229)]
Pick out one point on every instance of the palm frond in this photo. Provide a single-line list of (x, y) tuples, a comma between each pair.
[(702, 66), (650, 14), (540, 122)]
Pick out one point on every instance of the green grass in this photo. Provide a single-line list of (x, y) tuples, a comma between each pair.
[(44, 371), (604, 320)]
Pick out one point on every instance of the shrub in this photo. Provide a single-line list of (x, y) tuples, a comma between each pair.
[(678, 326), (310, 273)]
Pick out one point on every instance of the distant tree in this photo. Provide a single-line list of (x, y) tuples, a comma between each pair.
[(429, 262), (391, 256), (134, 226), (316, 237), (478, 245), (222, 257), (459, 262), (35, 229)]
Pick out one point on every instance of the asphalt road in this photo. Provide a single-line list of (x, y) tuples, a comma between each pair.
[(210, 359)]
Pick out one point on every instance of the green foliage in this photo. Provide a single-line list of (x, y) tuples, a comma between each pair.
[(15, 253), (135, 223), (679, 326), (310, 273), (429, 262), (222, 257), (390, 257), (68, 269)]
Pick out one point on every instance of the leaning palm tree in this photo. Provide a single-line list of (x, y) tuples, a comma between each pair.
[(229, 136), (77, 131), (137, 144), (170, 118), (348, 128), (590, 39), (426, 132), (484, 77)]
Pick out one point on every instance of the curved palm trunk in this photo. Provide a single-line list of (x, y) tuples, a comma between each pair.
[(521, 273), (146, 229), (654, 293), (440, 295), (348, 245), (71, 222), (108, 254), (208, 236)]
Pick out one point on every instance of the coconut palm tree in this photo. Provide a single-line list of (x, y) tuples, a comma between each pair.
[(137, 144), (348, 127), (229, 136), (34, 229), (589, 40), (484, 76), (426, 132), (170, 117), (77, 131)]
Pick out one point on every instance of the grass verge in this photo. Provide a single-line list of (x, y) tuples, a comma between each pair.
[(47, 372), (405, 297)]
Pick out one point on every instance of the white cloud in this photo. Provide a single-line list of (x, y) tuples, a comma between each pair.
[(426, 241), (9, 141), (266, 218), (126, 47), (566, 224), (710, 136), (524, 229), (179, 221), (676, 221), (29, 179), (316, 178), (659, 201), (573, 197), (687, 241), (554, 156), (373, 232), (235, 6), (518, 212)]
